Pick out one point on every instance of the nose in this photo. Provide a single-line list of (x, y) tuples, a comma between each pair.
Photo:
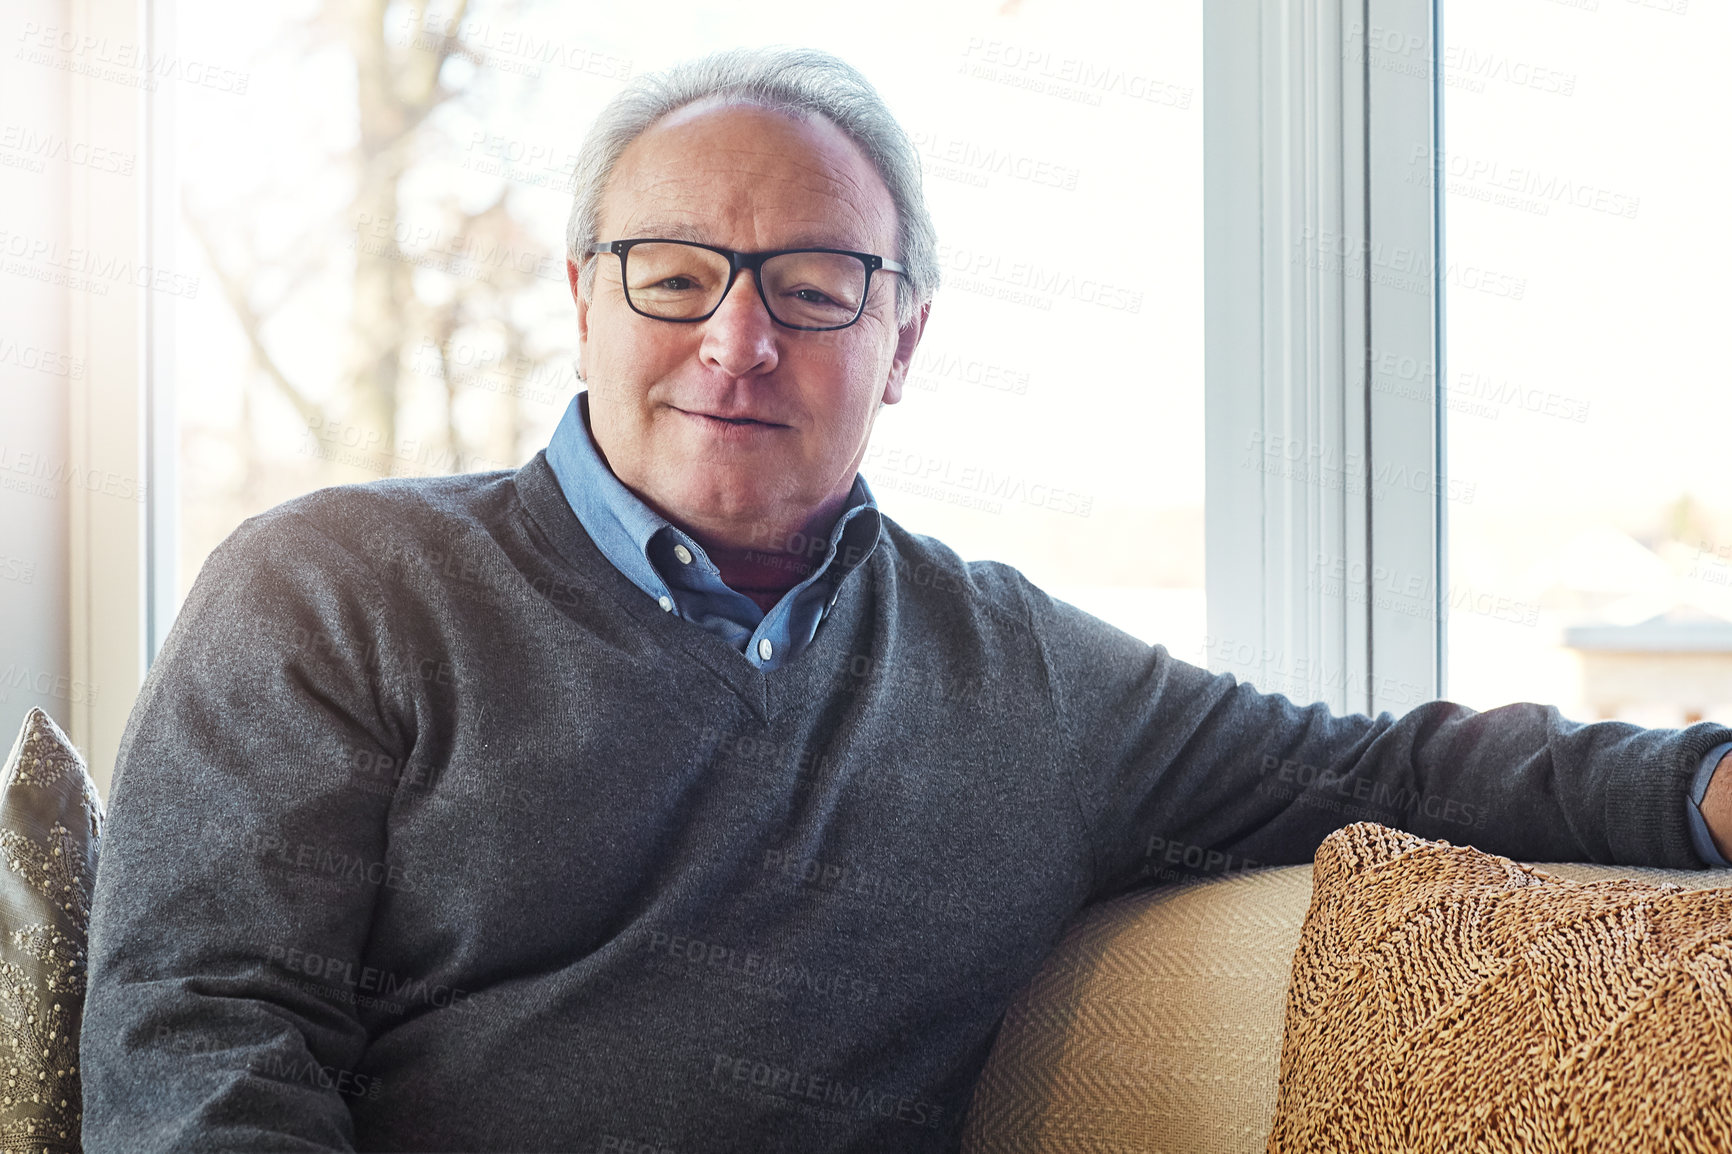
[(740, 338)]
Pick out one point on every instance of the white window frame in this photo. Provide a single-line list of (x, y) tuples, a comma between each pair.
[(121, 542), (1322, 493)]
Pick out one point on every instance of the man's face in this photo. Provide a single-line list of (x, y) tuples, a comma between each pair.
[(661, 393)]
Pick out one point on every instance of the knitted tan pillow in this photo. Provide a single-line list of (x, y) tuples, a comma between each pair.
[(1445, 999)]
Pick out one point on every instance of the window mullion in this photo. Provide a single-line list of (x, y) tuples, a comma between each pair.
[(1320, 482)]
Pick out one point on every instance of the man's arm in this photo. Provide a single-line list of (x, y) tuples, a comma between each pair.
[(235, 835), (1181, 770)]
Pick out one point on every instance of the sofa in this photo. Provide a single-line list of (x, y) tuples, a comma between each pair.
[(1156, 1024)]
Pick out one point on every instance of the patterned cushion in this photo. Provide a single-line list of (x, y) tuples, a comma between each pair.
[(1447, 999), (50, 824), (1155, 1024)]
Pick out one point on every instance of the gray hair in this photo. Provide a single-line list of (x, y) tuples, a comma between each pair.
[(801, 82)]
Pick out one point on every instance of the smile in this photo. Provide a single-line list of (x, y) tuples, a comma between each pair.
[(718, 422)]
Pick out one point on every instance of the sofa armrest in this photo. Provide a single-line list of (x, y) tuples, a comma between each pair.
[(1155, 1024)]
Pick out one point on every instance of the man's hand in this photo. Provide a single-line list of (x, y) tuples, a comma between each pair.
[(1717, 807)]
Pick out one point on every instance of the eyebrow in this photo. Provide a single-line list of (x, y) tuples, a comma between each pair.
[(672, 231)]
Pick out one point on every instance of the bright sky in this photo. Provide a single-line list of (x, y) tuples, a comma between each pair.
[(1625, 313)]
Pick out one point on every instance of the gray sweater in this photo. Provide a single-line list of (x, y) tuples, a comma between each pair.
[(431, 832)]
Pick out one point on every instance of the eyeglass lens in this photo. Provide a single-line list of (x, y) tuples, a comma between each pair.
[(681, 282)]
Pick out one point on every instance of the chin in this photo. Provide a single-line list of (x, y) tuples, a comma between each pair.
[(745, 502)]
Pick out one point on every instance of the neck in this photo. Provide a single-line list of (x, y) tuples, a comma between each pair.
[(767, 568), (765, 578)]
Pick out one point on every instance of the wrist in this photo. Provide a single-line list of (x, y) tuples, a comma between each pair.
[(1716, 807)]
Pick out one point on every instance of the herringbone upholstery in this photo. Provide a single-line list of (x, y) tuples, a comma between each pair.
[(1156, 1023)]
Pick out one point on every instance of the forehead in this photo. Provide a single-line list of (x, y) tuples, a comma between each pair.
[(746, 177)]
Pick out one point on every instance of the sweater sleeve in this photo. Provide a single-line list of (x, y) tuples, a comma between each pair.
[(1183, 772), (236, 839)]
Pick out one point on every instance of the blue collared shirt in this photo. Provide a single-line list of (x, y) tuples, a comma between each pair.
[(674, 571)]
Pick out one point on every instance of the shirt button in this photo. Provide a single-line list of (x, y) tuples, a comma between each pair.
[(666, 603), (765, 648), (684, 554)]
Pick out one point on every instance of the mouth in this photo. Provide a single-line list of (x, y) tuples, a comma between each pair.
[(741, 422)]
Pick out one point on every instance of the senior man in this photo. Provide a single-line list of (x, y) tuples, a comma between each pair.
[(665, 795)]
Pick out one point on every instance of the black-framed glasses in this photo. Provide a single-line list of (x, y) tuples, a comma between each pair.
[(811, 289)]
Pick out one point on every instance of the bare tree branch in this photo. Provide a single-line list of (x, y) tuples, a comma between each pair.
[(235, 293), (421, 84)]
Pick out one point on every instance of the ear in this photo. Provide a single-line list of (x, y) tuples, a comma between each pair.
[(907, 338), (571, 273)]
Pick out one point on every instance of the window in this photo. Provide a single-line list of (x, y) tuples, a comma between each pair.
[(1592, 567)]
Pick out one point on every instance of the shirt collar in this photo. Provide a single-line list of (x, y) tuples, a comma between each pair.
[(623, 527)]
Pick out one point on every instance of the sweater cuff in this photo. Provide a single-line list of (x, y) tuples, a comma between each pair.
[(1699, 838)]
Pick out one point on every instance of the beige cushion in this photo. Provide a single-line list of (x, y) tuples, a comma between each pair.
[(50, 824), (1155, 1025)]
